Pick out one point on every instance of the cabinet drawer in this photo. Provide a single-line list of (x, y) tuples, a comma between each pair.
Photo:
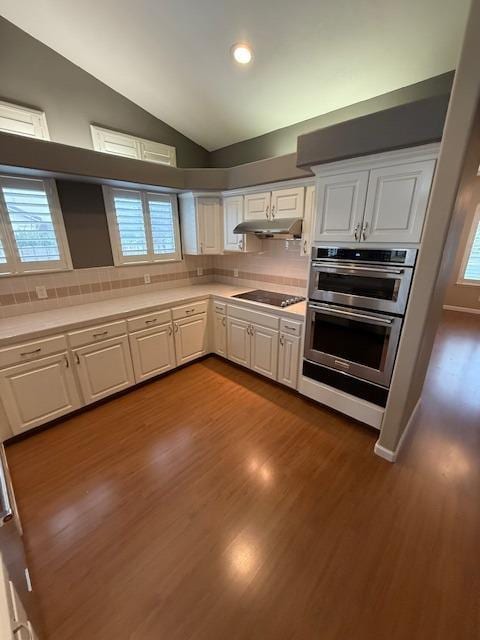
[(189, 310), (291, 327), (257, 317), (95, 334), (149, 320), (219, 307), (30, 350)]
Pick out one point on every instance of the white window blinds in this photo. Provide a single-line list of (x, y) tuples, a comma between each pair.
[(472, 265), (143, 226), (32, 236)]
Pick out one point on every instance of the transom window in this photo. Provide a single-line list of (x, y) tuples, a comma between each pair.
[(470, 272), (143, 226), (32, 234)]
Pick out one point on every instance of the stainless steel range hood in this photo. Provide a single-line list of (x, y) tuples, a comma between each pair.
[(282, 228)]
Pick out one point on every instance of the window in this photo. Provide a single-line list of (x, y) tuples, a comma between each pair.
[(122, 144), (22, 121), (470, 273), (32, 235), (143, 226)]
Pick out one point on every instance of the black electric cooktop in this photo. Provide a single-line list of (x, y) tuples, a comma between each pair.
[(270, 297)]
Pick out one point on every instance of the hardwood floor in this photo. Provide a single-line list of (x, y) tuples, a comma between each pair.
[(213, 504)]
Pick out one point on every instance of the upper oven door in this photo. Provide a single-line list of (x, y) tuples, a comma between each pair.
[(380, 288), (362, 344)]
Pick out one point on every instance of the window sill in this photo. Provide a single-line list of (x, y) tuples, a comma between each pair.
[(35, 272), (468, 283)]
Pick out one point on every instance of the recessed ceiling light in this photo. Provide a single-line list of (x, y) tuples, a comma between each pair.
[(242, 53)]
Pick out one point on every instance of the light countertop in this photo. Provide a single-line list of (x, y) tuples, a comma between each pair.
[(34, 325)]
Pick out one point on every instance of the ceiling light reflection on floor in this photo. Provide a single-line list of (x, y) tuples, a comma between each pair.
[(244, 558), (262, 472)]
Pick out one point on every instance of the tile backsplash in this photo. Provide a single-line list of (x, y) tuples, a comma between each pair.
[(278, 266)]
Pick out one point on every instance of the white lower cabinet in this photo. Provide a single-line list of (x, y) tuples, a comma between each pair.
[(238, 341), (104, 368), (39, 391), (153, 351), (190, 337), (220, 334), (264, 351), (288, 360)]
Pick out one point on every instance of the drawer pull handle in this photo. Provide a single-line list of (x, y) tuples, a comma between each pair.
[(189, 310), (286, 326), (282, 340), (152, 321), (67, 362), (31, 353), (224, 322), (170, 331), (99, 335)]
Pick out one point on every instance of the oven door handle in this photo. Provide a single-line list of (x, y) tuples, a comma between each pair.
[(321, 266), (6, 512), (351, 314)]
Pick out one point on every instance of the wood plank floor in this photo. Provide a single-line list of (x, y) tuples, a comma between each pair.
[(213, 504)]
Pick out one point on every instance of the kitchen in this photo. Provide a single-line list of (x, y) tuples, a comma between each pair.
[(186, 326)]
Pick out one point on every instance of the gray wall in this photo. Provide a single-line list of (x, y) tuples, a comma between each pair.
[(83, 211), (34, 75), (284, 141)]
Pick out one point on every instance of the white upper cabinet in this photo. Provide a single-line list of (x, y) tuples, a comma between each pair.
[(122, 144), (340, 206), (201, 224), (308, 221), (397, 199), (233, 207), (384, 201), (287, 203), (257, 205)]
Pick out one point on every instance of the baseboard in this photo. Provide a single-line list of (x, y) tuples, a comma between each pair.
[(449, 307), (392, 455)]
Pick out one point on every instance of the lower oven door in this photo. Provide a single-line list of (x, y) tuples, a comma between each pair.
[(360, 343), (379, 288)]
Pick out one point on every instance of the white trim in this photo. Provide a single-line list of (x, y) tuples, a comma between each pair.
[(392, 455), (373, 161), (468, 248), (14, 263), (450, 307)]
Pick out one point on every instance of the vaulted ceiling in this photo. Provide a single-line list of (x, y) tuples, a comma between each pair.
[(172, 57)]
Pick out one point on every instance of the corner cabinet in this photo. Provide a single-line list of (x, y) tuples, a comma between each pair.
[(383, 201), (201, 224)]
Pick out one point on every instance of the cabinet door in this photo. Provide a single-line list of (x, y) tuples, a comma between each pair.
[(209, 225), (232, 215), (340, 206), (104, 368), (153, 351), (288, 360), (288, 203), (220, 334), (36, 392), (397, 201), (257, 205), (308, 221), (238, 341), (264, 351), (190, 337)]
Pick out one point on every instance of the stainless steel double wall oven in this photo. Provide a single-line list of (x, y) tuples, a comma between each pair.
[(357, 300)]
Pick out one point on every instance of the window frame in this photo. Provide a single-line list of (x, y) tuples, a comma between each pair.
[(468, 249), (119, 260), (14, 263)]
